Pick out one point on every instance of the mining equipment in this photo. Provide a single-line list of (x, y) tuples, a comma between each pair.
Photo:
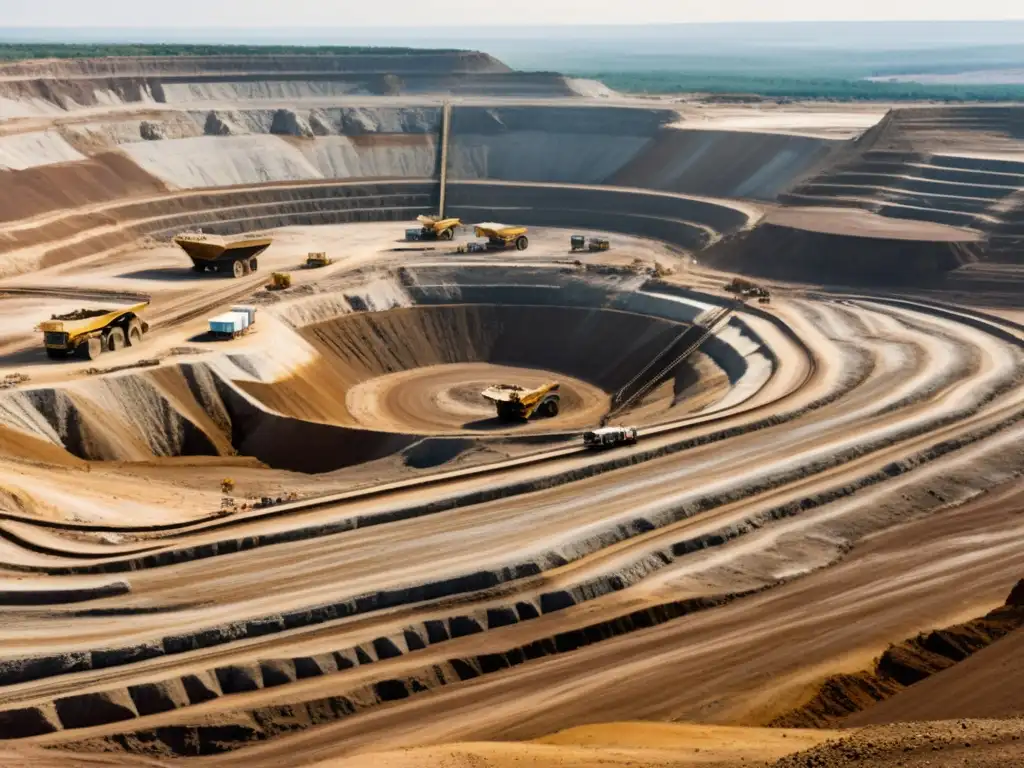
[(582, 243), (232, 324), (608, 437), (501, 237), (317, 259), (748, 290), (433, 228), (739, 285), (87, 333), (279, 281), (213, 253), (515, 403)]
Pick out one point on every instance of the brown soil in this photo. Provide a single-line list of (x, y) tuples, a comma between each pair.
[(857, 223), (906, 664), (789, 253), (949, 744), (99, 179), (986, 685)]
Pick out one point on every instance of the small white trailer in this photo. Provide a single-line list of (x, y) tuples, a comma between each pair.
[(608, 437), (232, 324)]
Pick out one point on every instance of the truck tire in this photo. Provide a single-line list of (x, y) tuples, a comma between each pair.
[(90, 349), (237, 269), (135, 331), (448, 234), (253, 264), (522, 242), (550, 408), (115, 340)]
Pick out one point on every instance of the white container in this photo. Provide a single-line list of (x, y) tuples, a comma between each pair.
[(248, 310)]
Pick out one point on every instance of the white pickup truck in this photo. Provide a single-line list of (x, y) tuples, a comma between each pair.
[(607, 437)]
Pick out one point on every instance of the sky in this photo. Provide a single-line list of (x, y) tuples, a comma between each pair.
[(452, 13)]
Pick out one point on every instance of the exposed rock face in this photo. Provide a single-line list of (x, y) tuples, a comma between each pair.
[(150, 131), (287, 123), (219, 124)]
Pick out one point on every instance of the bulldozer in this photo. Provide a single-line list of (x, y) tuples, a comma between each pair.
[(279, 281), (317, 259), (501, 237), (515, 403), (433, 228), (87, 333)]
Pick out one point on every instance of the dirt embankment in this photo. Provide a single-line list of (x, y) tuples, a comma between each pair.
[(186, 410), (950, 744), (724, 163), (435, 62), (629, 148), (788, 253), (49, 188), (32, 88), (910, 662)]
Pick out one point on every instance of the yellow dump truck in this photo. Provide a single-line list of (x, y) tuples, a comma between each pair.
[(501, 236), (212, 253), (88, 333), (433, 228), (515, 403)]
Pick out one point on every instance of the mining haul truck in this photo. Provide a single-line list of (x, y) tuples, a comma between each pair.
[(433, 228), (516, 403), (608, 437), (88, 333), (501, 237), (212, 253)]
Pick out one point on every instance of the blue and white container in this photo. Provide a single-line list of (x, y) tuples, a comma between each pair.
[(229, 324)]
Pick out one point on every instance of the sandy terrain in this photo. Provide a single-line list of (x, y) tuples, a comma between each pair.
[(392, 577), (858, 223)]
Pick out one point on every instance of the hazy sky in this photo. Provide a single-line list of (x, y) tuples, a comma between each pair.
[(452, 13)]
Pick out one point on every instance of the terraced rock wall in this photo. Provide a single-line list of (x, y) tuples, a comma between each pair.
[(53, 86), (786, 253), (952, 166)]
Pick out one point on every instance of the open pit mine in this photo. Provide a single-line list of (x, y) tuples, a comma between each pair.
[(284, 526)]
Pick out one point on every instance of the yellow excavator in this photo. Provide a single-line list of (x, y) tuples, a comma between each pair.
[(87, 333), (515, 403), (433, 228)]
